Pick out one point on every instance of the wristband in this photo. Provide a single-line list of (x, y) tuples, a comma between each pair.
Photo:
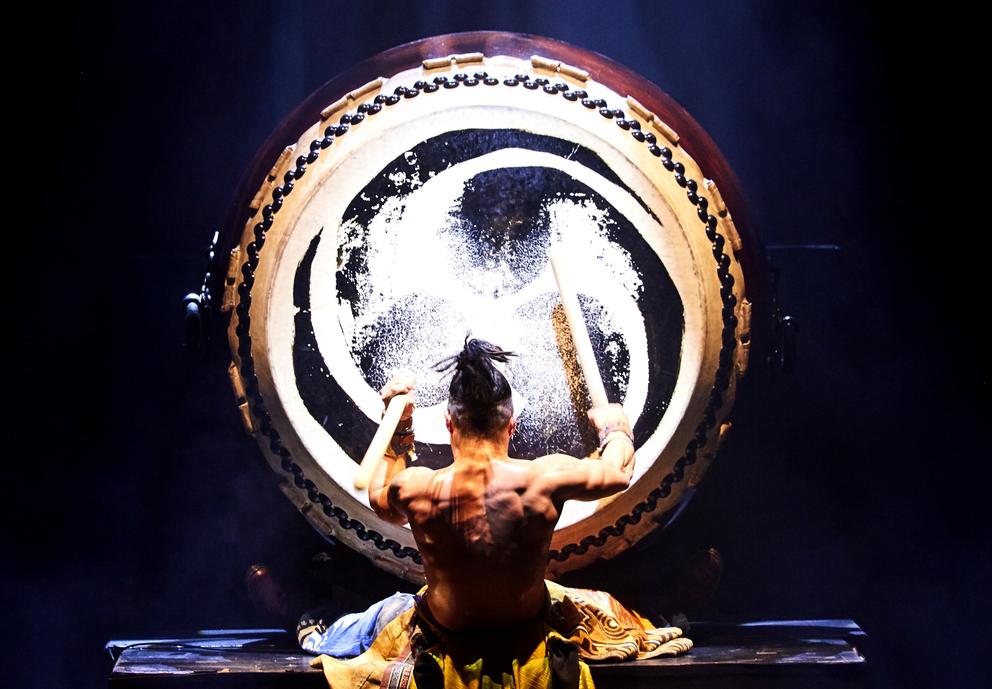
[(612, 428), (612, 435), (402, 440)]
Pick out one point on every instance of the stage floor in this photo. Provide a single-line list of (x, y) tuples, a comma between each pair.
[(795, 653)]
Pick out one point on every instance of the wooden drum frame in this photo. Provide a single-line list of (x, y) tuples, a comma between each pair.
[(487, 106)]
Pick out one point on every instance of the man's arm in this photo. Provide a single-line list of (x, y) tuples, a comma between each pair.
[(385, 486), (390, 475), (393, 486), (569, 478)]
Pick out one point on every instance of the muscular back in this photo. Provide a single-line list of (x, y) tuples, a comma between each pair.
[(484, 528), (484, 524)]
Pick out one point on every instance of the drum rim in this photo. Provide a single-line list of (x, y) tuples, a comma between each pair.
[(557, 557)]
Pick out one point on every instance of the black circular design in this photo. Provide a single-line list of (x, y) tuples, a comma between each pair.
[(500, 222)]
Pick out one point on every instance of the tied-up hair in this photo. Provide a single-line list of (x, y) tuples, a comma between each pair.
[(480, 400)]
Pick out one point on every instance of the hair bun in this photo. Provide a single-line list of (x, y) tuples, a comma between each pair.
[(478, 389), (474, 352)]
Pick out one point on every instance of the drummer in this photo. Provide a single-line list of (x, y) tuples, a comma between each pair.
[(484, 526)]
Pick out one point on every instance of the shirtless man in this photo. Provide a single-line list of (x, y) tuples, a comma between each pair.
[(484, 524)]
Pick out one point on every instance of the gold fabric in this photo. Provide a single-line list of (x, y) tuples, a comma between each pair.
[(529, 656), (603, 629)]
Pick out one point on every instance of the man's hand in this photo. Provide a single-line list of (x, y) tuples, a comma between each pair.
[(616, 441), (398, 385), (609, 418), (569, 478), (386, 484)]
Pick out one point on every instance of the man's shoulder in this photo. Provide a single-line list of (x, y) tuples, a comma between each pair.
[(539, 466), (551, 471), (411, 481), (556, 460)]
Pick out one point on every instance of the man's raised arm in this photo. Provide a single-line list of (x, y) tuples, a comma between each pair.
[(387, 479), (616, 439), (569, 478)]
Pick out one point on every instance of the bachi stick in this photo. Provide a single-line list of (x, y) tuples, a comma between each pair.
[(577, 324), (381, 439)]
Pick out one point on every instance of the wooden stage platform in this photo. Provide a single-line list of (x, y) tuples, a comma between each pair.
[(803, 653)]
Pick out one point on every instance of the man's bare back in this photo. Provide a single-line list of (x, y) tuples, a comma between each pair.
[(484, 524), (484, 536)]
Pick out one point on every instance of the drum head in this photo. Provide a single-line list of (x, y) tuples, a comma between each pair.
[(420, 207)]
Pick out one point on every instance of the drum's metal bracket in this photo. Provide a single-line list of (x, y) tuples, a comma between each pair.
[(241, 399), (729, 228), (352, 98), (652, 119), (544, 64), (263, 190), (231, 280), (744, 336), (452, 60), (718, 202)]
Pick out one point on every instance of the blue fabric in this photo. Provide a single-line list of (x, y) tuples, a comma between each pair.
[(352, 634)]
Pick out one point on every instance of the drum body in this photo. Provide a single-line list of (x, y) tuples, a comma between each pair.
[(414, 200)]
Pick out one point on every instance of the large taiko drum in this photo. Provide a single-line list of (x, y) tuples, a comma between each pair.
[(414, 200)]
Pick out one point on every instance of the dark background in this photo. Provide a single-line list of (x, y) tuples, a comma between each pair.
[(851, 488)]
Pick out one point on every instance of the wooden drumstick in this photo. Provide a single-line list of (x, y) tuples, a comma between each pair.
[(381, 440), (577, 324)]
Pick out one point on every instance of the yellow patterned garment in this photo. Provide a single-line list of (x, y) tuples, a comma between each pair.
[(576, 625)]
